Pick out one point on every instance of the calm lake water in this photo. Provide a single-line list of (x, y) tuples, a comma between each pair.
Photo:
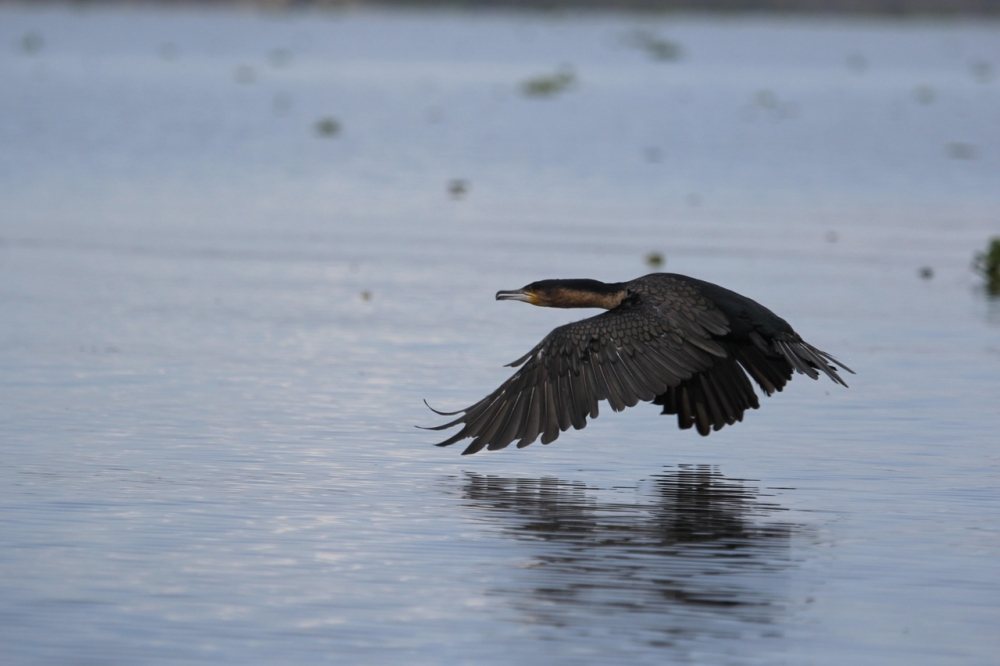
[(238, 249)]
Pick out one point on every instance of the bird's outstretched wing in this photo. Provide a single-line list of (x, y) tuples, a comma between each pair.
[(720, 395), (631, 354)]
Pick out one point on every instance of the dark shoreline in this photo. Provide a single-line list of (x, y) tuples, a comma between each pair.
[(900, 8)]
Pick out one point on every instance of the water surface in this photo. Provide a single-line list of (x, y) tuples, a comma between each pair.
[(219, 324)]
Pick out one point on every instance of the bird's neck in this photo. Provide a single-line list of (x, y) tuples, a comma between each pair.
[(592, 294)]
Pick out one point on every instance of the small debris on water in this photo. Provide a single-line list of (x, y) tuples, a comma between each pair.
[(656, 47), (926, 272), (766, 99), (653, 154), (32, 42), (328, 127), (547, 85), (982, 71), (458, 188), (655, 259), (959, 150), (924, 94)]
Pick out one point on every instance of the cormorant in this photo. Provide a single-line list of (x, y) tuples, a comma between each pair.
[(676, 341)]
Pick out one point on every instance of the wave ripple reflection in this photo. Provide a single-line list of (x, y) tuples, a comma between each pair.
[(695, 555)]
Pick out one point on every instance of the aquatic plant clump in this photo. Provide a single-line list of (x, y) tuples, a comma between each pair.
[(549, 84), (328, 127), (657, 48), (987, 264)]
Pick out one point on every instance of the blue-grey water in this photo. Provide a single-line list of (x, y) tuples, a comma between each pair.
[(219, 316)]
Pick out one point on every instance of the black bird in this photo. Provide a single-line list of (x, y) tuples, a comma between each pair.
[(669, 339)]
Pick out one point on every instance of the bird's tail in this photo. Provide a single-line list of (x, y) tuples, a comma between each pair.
[(807, 359)]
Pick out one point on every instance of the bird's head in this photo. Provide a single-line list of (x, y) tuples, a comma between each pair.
[(567, 294)]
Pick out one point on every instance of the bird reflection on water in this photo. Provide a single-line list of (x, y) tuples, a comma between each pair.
[(688, 554)]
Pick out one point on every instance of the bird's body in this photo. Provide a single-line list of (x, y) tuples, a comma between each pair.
[(678, 342)]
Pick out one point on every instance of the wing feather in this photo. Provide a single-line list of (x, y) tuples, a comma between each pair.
[(622, 357), (670, 345), (550, 423), (533, 419)]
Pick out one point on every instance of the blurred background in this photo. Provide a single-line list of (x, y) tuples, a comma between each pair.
[(884, 7), (241, 242)]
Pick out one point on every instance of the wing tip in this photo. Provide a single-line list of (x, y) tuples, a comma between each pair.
[(438, 411)]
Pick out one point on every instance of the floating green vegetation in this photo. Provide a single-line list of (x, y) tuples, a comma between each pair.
[(657, 47), (458, 188), (655, 259), (987, 264), (328, 127), (32, 42), (547, 85)]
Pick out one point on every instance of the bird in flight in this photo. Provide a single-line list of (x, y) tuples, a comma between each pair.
[(681, 343)]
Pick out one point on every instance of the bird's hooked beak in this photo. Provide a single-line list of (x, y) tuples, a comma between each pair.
[(518, 295)]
